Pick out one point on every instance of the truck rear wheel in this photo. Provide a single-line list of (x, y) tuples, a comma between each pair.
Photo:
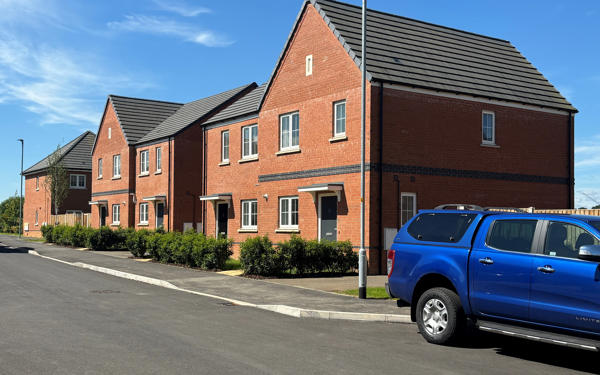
[(440, 316)]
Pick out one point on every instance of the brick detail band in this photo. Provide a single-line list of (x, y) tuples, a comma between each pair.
[(110, 192), (412, 169)]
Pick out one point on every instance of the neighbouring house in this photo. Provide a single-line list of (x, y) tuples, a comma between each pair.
[(147, 162), (451, 117), (38, 205)]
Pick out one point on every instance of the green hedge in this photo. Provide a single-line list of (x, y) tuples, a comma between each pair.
[(190, 248), (258, 256)]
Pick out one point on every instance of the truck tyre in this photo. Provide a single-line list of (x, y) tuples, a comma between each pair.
[(440, 316)]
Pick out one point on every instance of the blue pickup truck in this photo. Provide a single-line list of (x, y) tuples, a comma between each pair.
[(535, 276)]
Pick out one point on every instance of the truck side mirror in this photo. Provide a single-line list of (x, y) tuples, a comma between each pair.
[(590, 252)]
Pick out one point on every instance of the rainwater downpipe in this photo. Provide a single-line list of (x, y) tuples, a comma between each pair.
[(381, 233)]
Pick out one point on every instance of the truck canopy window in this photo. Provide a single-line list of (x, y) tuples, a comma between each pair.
[(440, 227)]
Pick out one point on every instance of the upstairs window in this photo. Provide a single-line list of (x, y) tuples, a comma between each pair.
[(99, 168), (77, 181), (144, 165), (289, 131), (158, 159), (116, 166), (309, 65), (109, 133), (488, 128), (37, 183), (249, 141), (339, 119), (225, 146)]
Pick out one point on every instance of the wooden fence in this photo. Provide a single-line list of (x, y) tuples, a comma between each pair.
[(569, 212), (71, 219)]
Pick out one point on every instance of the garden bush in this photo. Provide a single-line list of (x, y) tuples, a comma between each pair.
[(258, 257), (136, 242), (47, 232)]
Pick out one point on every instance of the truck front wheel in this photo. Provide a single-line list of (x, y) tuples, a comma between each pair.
[(440, 316)]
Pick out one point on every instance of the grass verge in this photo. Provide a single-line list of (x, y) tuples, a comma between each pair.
[(232, 264), (372, 293)]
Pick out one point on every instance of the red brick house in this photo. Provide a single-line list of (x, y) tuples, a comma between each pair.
[(452, 116), (147, 162), (38, 205)]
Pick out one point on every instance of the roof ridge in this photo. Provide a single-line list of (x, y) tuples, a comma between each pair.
[(146, 100), (64, 150), (412, 19)]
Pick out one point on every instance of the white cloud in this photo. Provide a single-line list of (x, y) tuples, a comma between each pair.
[(588, 197), (588, 154), (160, 26), (181, 8), (58, 85)]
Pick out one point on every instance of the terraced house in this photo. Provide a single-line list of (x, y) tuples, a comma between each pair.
[(451, 116), (39, 205), (147, 162)]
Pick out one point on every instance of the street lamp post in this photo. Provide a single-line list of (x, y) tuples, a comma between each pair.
[(21, 196), (362, 253)]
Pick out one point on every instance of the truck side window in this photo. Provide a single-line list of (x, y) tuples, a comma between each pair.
[(512, 235), (564, 239), (440, 227)]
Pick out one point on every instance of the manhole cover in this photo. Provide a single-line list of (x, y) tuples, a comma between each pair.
[(226, 303)]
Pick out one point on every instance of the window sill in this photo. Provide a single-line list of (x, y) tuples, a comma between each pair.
[(492, 145), (116, 178), (158, 172), (144, 174), (77, 188), (247, 160), (288, 151), (115, 224), (287, 230), (142, 224), (222, 164), (338, 138), (99, 178), (248, 230)]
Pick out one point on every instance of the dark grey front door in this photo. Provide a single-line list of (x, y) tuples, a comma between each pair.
[(160, 214), (222, 214), (102, 216), (329, 218)]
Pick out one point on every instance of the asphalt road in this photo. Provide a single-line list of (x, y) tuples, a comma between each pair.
[(58, 319)]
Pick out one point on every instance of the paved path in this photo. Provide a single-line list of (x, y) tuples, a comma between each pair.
[(59, 319), (252, 291)]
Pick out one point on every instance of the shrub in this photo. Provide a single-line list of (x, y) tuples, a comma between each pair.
[(136, 242), (78, 236), (181, 252), (219, 250), (166, 243), (293, 255), (152, 244), (258, 257), (47, 232)]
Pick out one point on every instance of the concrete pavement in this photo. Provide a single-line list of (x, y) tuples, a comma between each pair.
[(264, 294)]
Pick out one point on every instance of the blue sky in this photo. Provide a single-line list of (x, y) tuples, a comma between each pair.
[(60, 59)]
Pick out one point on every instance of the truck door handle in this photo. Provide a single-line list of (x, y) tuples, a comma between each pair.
[(486, 260), (546, 269)]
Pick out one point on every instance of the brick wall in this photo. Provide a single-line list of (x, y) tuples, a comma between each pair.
[(114, 190)]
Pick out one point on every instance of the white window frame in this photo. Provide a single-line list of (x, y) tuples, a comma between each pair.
[(290, 136), (36, 218), (78, 179), (484, 141), (309, 65), (289, 214), (224, 146), (247, 212), (117, 166), (37, 183), (158, 154), (116, 214), (414, 210), (100, 165), (335, 118), (144, 213), (250, 154), (109, 133), (144, 162)]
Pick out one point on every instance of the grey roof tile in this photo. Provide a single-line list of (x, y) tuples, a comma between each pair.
[(191, 112), (139, 116), (245, 105), (76, 155), (415, 53)]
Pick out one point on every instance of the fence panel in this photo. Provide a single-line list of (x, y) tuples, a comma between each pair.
[(71, 219)]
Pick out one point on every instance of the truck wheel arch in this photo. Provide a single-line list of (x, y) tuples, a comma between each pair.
[(429, 281)]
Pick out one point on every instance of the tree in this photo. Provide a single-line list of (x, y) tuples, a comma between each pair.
[(9, 215), (56, 183), (596, 207)]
